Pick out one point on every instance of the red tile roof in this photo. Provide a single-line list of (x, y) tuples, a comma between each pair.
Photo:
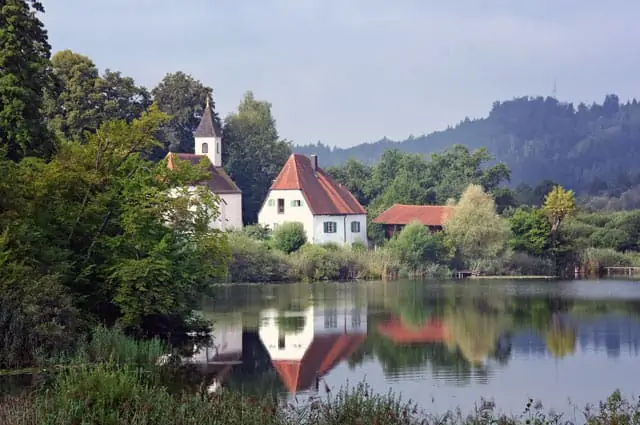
[(400, 333), (429, 215), (218, 181), (324, 353), (323, 194)]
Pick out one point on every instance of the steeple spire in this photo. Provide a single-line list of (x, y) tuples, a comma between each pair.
[(208, 126)]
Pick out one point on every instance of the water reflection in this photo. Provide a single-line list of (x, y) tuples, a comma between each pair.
[(502, 338)]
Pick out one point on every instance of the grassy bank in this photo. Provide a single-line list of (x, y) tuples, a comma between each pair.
[(116, 381)]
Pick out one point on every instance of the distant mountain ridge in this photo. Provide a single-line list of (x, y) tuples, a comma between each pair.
[(539, 138)]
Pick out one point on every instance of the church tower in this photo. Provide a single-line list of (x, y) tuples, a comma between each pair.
[(208, 137)]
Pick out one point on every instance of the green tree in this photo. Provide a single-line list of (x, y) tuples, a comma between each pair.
[(416, 246), (558, 205), (252, 152), (24, 74), (183, 98), (355, 176), (475, 228), (82, 99), (100, 219), (531, 231), (289, 237)]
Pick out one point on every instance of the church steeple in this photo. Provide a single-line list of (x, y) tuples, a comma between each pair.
[(208, 136)]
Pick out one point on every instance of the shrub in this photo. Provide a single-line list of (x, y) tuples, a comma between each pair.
[(253, 261), (416, 246), (594, 260), (289, 237), (257, 232)]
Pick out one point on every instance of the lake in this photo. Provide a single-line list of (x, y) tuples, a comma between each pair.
[(442, 344)]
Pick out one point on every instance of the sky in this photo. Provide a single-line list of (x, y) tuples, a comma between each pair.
[(345, 72)]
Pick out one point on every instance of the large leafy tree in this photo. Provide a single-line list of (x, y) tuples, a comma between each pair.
[(98, 217), (475, 228), (24, 74), (183, 98), (253, 153), (83, 99)]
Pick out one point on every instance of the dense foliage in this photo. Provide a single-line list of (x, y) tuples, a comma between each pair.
[(590, 149)]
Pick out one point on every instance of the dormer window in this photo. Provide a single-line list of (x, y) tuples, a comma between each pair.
[(205, 148)]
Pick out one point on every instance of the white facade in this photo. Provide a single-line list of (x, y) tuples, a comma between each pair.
[(229, 210), (290, 205), (211, 147), (226, 343), (345, 318)]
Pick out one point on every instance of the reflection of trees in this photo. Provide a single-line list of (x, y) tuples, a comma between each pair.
[(291, 324), (561, 341), (475, 326)]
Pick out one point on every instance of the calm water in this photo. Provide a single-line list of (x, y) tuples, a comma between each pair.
[(443, 345)]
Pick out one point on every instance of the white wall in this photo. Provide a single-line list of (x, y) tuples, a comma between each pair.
[(268, 215), (214, 152), (340, 236), (230, 212), (342, 318), (296, 343), (232, 218), (227, 339)]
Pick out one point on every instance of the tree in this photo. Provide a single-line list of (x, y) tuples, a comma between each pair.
[(416, 246), (559, 204), (475, 228), (289, 237), (183, 98), (83, 99), (24, 74), (355, 176), (252, 152), (100, 219), (531, 231)]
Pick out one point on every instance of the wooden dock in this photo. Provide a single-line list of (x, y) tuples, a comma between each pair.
[(622, 271)]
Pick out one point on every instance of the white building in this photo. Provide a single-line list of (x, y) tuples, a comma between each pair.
[(208, 142), (312, 342), (303, 192)]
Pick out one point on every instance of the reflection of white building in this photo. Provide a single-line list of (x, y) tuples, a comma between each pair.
[(306, 345), (226, 345)]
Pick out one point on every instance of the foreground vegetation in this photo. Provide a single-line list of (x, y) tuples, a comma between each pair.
[(115, 380)]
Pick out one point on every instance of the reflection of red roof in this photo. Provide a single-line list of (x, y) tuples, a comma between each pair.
[(324, 353), (433, 331), (323, 194), (429, 215), (218, 181)]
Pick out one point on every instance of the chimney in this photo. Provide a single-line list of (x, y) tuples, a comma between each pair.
[(314, 163)]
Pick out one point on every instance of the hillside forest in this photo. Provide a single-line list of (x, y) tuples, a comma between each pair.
[(588, 148)]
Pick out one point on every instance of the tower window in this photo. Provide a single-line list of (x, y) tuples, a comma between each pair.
[(218, 147), (205, 148)]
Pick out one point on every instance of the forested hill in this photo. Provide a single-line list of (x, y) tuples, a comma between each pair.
[(538, 138)]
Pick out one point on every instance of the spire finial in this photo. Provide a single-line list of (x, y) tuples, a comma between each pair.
[(207, 104)]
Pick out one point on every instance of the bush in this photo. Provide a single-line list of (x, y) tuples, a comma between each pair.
[(416, 247), (253, 261), (593, 261), (289, 237), (257, 232)]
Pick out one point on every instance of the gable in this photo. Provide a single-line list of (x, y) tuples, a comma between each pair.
[(323, 195)]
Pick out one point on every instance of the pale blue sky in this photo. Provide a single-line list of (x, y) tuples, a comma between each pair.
[(349, 71)]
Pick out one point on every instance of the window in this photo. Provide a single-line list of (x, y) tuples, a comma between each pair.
[(271, 202), (355, 227), (218, 147), (331, 318), (296, 203), (280, 206), (330, 227), (205, 148)]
